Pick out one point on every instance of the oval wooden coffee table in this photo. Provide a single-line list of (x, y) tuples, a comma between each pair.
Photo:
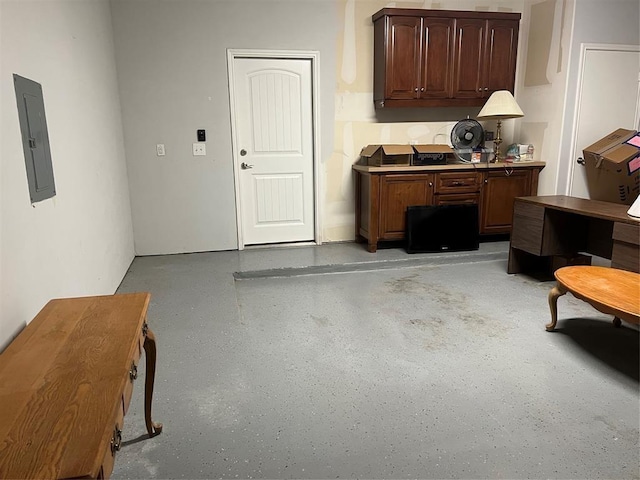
[(608, 290)]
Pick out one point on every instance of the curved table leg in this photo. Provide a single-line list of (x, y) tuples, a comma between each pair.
[(555, 292), (617, 322), (150, 351)]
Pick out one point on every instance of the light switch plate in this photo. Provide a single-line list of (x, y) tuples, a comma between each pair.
[(160, 149), (199, 149)]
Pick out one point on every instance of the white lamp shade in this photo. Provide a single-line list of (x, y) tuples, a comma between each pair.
[(501, 104)]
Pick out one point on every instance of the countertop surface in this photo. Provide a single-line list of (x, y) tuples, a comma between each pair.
[(448, 166)]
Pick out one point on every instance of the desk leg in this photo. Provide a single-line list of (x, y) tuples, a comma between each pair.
[(515, 258), (150, 351), (555, 292)]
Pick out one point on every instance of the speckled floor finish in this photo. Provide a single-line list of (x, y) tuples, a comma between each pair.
[(399, 366)]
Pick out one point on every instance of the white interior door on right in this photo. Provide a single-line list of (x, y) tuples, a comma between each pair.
[(607, 100)]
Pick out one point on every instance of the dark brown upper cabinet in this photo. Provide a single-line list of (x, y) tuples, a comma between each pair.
[(436, 58)]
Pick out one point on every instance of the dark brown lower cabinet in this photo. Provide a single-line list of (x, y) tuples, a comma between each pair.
[(398, 192), (384, 193), (498, 193)]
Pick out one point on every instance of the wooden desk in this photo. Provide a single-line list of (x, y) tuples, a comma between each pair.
[(66, 383), (608, 290), (544, 226)]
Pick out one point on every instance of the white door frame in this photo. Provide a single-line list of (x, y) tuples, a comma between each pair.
[(314, 56), (584, 48)]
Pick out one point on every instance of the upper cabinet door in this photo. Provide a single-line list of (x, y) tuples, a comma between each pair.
[(403, 58), (500, 57), (468, 59), (437, 72), (442, 58)]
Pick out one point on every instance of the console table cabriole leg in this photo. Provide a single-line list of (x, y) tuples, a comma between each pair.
[(555, 292), (150, 351)]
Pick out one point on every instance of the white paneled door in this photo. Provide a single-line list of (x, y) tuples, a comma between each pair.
[(273, 130), (608, 99)]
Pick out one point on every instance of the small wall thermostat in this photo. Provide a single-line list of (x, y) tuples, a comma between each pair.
[(202, 136)]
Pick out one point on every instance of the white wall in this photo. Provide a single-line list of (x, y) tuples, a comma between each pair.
[(81, 241), (172, 73), (541, 82), (596, 21)]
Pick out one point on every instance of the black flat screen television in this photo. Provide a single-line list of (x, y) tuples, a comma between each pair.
[(436, 228)]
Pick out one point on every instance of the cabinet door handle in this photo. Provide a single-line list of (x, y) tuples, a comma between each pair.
[(486, 181), (415, 89), (431, 184), (422, 89), (486, 88)]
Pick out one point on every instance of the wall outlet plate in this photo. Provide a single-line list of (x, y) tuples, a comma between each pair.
[(199, 149), (488, 136), (160, 150)]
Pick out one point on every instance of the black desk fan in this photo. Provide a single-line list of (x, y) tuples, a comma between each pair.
[(466, 135)]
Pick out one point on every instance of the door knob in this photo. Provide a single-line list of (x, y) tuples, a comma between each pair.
[(245, 166), (243, 152), (581, 161)]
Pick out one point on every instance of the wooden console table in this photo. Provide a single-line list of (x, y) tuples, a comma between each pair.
[(384, 193), (66, 383), (559, 225)]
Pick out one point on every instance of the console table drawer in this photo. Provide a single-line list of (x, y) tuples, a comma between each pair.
[(132, 373), (113, 445)]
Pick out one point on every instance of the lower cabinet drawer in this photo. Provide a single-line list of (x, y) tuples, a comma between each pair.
[(457, 199), (457, 182)]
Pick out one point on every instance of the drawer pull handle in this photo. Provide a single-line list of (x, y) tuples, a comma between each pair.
[(116, 441), (145, 329), (133, 371)]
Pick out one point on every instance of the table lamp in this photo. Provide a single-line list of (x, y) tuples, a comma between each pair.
[(501, 105)]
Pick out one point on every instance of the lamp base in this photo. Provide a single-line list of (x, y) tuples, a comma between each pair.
[(497, 142), (496, 147)]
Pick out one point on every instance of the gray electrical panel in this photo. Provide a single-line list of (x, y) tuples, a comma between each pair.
[(35, 139)]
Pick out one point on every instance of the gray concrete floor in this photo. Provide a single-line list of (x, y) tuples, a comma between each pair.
[(395, 366)]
